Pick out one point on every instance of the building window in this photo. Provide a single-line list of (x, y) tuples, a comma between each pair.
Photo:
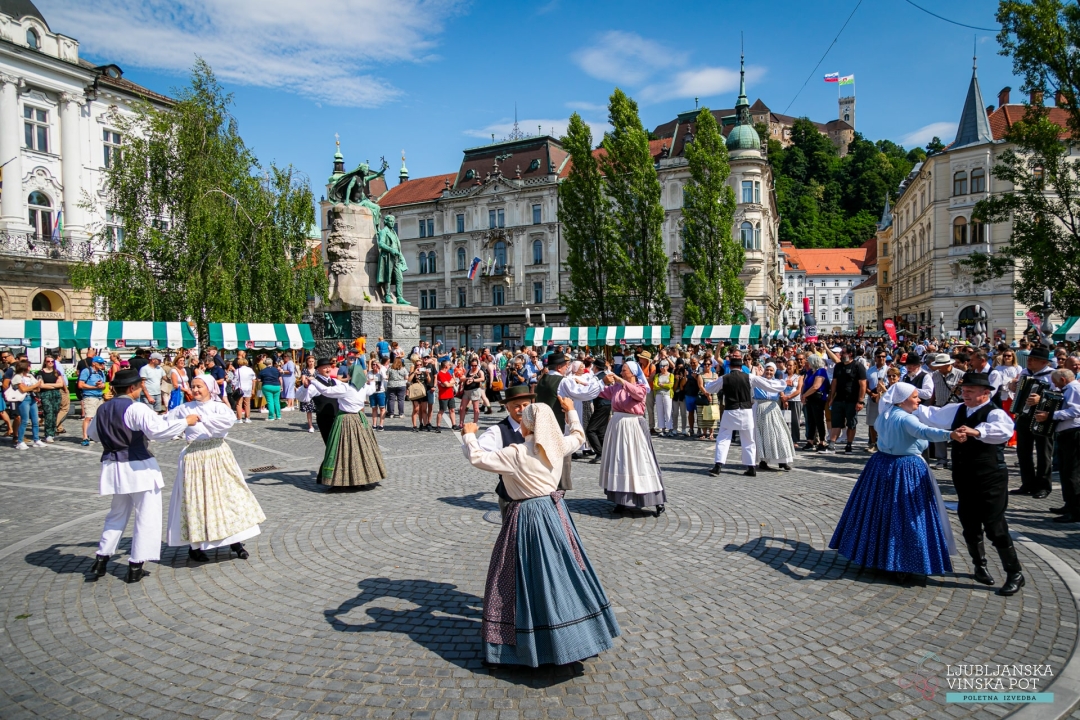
[(836, 317), (959, 183), (491, 219), (460, 257), (884, 249), (32, 39), (461, 223), (800, 296), (747, 233), (431, 261), (977, 235), (111, 141), (885, 277), (835, 299), (423, 263), (747, 191), (498, 296), (757, 192), (496, 218), (959, 231), (36, 128), (431, 228), (114, 230), (536, 214), (824, 316), (40, 214), (538, 293), (432, 303), (836, 283), (461, 295), (41, 303), (423, 229), (500, 256), (978, 180), (824, 300), (423, 299), (538, 252)]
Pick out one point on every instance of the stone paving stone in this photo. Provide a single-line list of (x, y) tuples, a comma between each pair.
[(368, 604)]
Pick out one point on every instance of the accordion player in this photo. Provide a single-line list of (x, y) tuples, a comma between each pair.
[(1026, 386)]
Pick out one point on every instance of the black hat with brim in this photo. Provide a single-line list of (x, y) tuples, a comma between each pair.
[(324, 362), (1039, 353), (977, 379), (518, 392), (556, 359), (125, 379)]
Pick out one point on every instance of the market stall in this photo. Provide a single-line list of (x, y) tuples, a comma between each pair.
[(132, 334), (291, 336), (574, 336), (712, 334), (37, 333), (1068, 331), (633, 335)]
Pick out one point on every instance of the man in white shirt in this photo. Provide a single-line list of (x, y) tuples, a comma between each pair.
[(152, 373), (1068, 443)]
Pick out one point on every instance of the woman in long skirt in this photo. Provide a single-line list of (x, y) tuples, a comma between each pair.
[(771, 432), (543, 602), (352, 457), (211, 504), (895, 519), (629, 472)]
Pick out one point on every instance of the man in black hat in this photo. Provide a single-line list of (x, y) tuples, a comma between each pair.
[(980, 475), (507, 432), (130, 473), (1034, 473), (548, 392), (596, 430), (326, 408)]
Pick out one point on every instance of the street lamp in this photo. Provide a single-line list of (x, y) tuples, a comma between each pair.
[(1047, 327), (941, 326), (980, 325)]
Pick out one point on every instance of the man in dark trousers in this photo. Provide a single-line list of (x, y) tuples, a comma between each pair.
[(1034, 472), (507, 432), (548, 393), (326, 409), (601, 415), (980, 475), (1067, 442)]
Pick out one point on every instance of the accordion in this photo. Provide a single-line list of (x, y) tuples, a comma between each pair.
[(1026, 386), (1049, 401)]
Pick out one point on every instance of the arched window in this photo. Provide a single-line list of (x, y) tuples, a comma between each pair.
[(538, 252), (431, 266), (32, 39), (959, 183), (498, 296), (959, 231), (40, 214), (500, 256), (41, 303), (423, 263), (746, 230), (978, 180), (976, 233), (461, 258)]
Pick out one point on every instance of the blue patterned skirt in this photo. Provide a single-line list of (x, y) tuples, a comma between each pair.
[(543, 602), (895, 520)]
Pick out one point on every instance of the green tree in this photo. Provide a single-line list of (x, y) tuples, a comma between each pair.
[(712, 289), (935, 145), (596, 263), (208, 234), (634, 190), (1044, 204)]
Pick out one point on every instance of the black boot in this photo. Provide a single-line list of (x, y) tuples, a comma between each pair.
[(197, 555), (100, 566), (660, 509), (716, 468), (751, 471), (978, 559), (763, 466), (1014, 579), (135, 573)]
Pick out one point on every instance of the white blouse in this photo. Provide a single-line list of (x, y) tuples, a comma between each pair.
[(120, 478), (216, 419), (350, 400)]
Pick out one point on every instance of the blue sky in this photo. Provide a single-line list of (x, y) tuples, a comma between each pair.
[(435, 76)]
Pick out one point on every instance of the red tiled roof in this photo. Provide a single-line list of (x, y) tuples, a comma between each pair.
[(869, 282), (871, 251), (415, 191), (1002, 119), (655, 146), (828, 261)]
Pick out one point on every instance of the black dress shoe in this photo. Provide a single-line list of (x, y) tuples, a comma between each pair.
[(100, 566), (763, 466), (618, 509), (197, 555), (1064, 509), (595, 460), (1067, 518), (785, 466), (982, 575), (751, 471), (1040, 494), (1020, 491), (135, 573), (238, 548), (660, 509), (716, 469), (1012, 585)]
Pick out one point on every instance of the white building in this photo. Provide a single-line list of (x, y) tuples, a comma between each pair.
[(828, 276), (58, 132)]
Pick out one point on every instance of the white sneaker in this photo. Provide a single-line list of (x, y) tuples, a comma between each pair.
[(286, 409), (247, 420), (49, 440), (264, 411), (311, 429), (39, 443), (22, 446)]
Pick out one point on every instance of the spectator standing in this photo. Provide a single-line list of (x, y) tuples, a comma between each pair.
[(152, 373), (270, 377), (396, 379), (308, 406), (53, 383), (447, 389), (27, 384), (245, 378), (92, 384)]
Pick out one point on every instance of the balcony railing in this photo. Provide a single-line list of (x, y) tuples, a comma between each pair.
[(497, 270), (962, 250), (34, 245)]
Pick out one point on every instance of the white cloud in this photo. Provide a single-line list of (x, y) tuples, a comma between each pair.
[(587, 106), (326, 50), (944, 130), (626, 58), (553, 127), (700, 82)]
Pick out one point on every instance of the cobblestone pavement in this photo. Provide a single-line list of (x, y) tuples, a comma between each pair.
[(368, 604)]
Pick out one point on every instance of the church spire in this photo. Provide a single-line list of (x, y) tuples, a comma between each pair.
[(886, 215), (974, 124), (403, 174)]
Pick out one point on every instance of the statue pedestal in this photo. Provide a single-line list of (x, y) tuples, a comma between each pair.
[(354, 306)]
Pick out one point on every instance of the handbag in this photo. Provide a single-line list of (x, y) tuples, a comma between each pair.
[(416, 391), (709, 413), (497, 385), (14, 395)]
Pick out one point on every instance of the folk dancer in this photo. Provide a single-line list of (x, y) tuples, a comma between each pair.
[(549, 389), (211, 505), (507, 432), (980, 475), (1034, 473), (543, 602), (629, 472), (1068, 443), (895, 519), (130, 473), (737, 388), (772, 436), (352, 457), (596, 428)]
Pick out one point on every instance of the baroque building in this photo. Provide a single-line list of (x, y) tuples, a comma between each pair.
[(58, 134), (828, 277)]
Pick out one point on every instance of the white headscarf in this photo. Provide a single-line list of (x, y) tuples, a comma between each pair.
[(211, 384), (636, 369), (896, 394), (544, 431)]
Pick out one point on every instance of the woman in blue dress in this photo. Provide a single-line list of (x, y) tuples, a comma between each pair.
[(894, 519)]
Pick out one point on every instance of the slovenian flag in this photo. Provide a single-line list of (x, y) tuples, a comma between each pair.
[(58, 227), (832, 77), (847, 80), (474, 268)]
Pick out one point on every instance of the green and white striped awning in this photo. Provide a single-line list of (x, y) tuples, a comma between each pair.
[(37, 333), (633, 335), (133, 334), (698, 334), (577, 336), (262, 335), (1068, 330)]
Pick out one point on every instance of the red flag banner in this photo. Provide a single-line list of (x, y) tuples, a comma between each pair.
[(890, 327)]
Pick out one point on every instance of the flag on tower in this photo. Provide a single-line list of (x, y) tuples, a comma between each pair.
[(832, 77), (847, 80)]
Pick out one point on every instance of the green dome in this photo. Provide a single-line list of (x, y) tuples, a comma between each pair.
[(743, 137)]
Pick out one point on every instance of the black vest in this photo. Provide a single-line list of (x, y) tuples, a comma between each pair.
[(975, 457), (322, 403), (509, 437), (736, 391), (547, 392), (120, 442)]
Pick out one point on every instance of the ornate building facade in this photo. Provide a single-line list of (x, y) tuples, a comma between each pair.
[(58, 133)]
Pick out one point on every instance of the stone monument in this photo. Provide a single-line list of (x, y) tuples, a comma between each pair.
[(365, 265)]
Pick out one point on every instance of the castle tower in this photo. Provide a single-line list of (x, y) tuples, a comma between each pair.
[(847, 110)]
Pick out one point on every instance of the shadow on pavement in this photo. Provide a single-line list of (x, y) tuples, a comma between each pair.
[(63, 563), (472, 502)]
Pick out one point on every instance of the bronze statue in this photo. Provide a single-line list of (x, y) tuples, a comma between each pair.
[(354, 188), (392, 264)]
